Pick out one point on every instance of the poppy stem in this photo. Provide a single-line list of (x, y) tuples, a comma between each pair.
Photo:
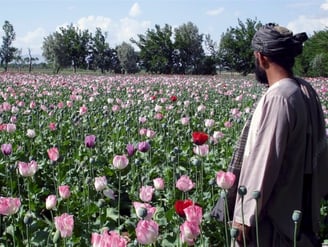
[(119, 201)]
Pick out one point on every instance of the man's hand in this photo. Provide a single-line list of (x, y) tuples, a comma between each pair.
[(242, 229)]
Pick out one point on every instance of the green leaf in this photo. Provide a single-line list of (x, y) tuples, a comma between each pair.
[(112, 213)]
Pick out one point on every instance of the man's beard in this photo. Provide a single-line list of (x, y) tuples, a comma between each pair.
[(260, 74)]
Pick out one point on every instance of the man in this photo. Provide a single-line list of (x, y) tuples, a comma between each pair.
[(285, 155)]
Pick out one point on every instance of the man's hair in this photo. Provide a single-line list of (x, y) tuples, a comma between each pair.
[(279, 44), (284, 60)]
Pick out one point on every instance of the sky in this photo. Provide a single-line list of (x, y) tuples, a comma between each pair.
[(33, 20)]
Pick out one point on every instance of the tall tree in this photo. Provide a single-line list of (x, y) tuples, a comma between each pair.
[(66, 47), (7, 52), (156, 49), (314, 59), (127, 57), (188, 43), (103, 57), (30, 60), (235, 46)]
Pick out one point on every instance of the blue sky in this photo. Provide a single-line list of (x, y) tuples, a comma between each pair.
[(122, 19)]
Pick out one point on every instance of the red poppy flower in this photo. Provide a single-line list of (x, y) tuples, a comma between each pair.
[(173, 98), (180, 205), (199, 138)]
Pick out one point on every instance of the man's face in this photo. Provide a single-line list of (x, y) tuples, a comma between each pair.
[(260, 73)]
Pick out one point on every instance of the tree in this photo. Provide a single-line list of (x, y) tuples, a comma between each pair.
[(211, 58), (55, 51), (127, 57), (100, 50), (7, 52), (314, 60), (30, 60), (67, 47), (188, 43), (235, 49), (18, 59), (156, 49)]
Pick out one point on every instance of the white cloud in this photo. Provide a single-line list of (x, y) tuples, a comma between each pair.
[(214, 12), (126, 29), (135, 10), (31, 40), (308, 24), (324, 6), (118, 32), (91, 23), (122, 30)]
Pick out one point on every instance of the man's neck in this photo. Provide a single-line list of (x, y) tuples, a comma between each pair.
[(276, 73)]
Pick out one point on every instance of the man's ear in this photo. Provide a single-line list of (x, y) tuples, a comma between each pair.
[(263, 60)]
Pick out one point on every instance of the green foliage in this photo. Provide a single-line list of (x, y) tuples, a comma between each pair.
[(156, 49), (72, 47), (188, 44), (7, 51), (65, 48), (128, 57), (235, 50), (314, 59)]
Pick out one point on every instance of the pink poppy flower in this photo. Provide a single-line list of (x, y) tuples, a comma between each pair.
[(120, 162), (158, 116), (158, 108), (184, 183), (225, 180), (6, 106), (194, 213), (189, 231), (147, 231), (105, 239), (115, 108), (143, 131), (64, 191), (158, 183), (209, 123), (60, 105), (184, 120), (201, 150), (83, 110), (27, 169), (65, 224), (228, 124), (51, 202), (218, 135), (100, 183), (52, 126), (150, 133), (11, 128), (9, 205), (32, 104), (142, 120), (53, 153), (30, 133), (146, 193)]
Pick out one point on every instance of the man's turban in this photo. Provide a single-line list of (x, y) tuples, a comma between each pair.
[(274, 40)]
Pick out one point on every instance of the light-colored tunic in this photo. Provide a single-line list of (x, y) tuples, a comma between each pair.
[(274, 162)]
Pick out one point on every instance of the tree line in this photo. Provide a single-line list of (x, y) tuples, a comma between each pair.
[(162, 50)]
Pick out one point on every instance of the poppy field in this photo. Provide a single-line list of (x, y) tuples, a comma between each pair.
[(118, 160)]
